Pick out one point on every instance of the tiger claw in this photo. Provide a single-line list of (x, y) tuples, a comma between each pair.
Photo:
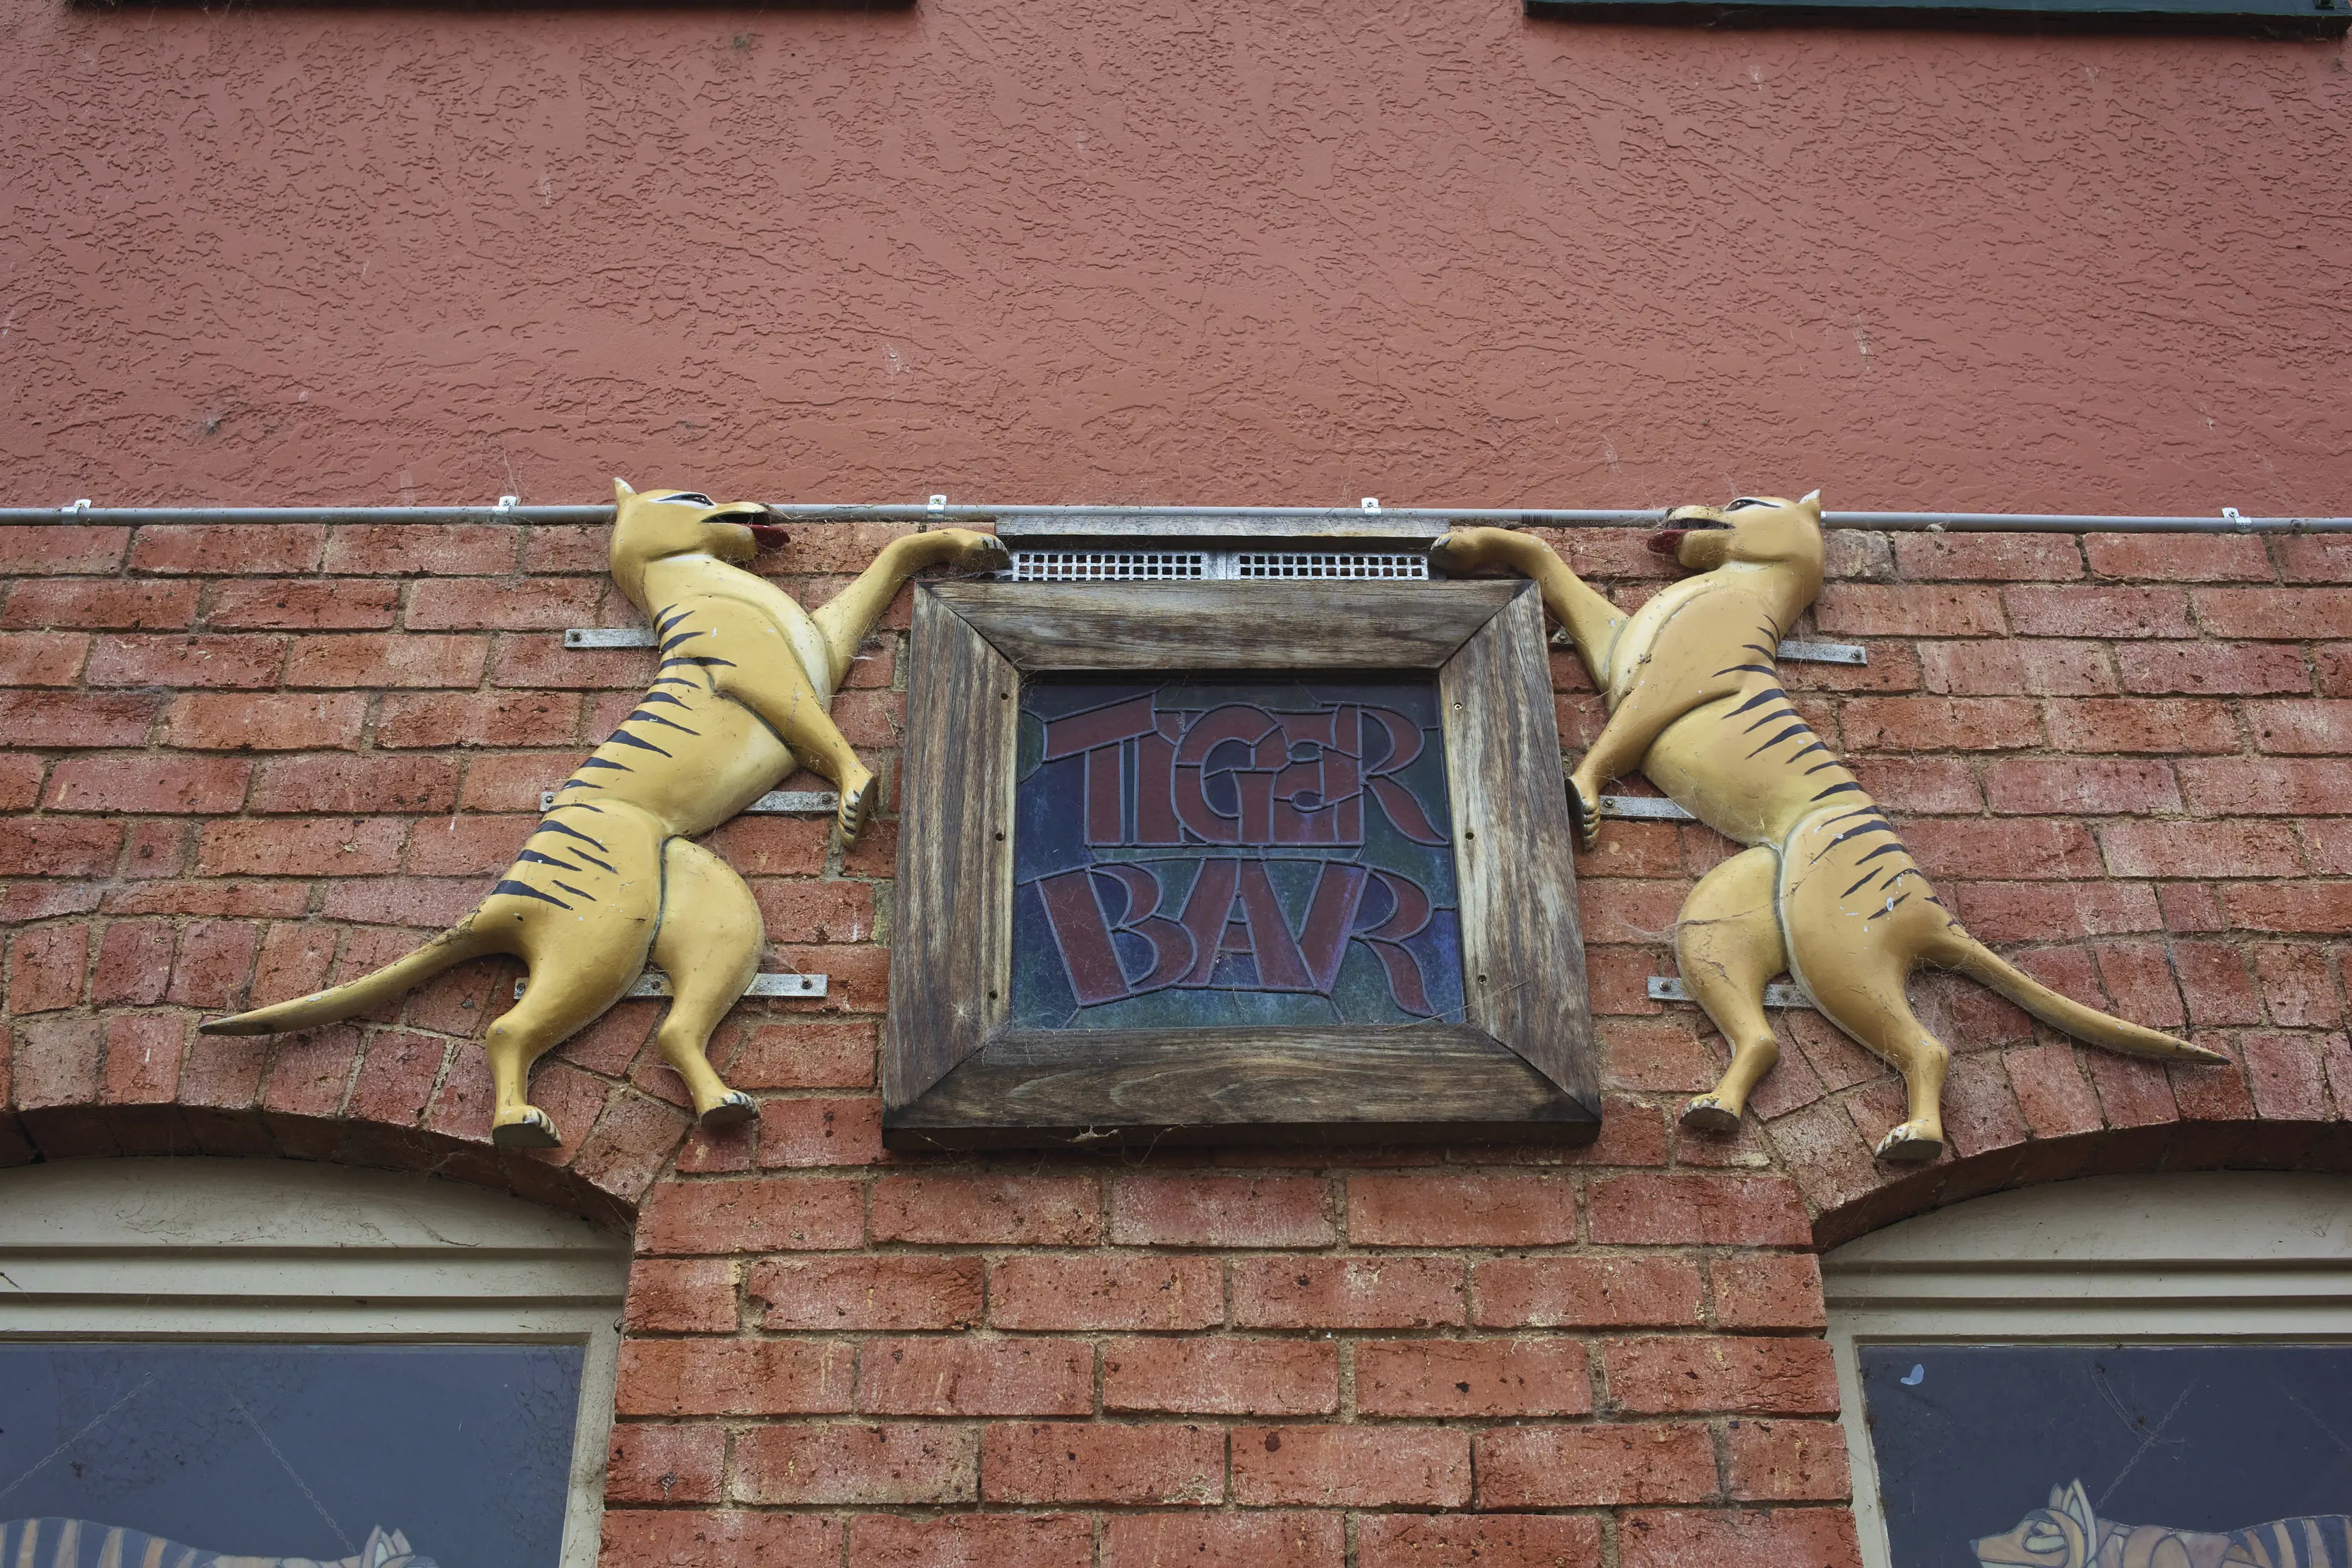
[(735, 1109), (1910, 1143), (1709, 1114), (857, 805), (525, 1127), (1588, 817)]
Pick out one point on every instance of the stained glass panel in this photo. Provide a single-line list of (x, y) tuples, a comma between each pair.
[(1199, 852)]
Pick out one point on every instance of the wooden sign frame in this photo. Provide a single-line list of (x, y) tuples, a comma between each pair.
[(955, 1074)]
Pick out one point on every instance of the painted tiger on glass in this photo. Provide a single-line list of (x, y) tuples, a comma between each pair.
[(79, 1543), (2070, 1534)]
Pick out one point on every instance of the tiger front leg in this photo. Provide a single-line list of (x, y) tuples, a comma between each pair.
[(1618, 750), (850, 615), (1670, 683)]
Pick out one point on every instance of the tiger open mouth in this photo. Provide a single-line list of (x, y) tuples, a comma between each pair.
[(1667, 537)]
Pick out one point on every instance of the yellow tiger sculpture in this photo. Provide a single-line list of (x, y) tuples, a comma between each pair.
[(612, 875), (2070, 1534), (1826, 892)]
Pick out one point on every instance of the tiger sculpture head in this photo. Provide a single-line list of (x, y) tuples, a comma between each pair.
[(650, 525), (1754, 530)]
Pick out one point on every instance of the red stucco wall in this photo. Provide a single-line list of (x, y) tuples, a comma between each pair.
[(1074, 249)]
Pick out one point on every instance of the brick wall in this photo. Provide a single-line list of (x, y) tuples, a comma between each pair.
[(240, 762)]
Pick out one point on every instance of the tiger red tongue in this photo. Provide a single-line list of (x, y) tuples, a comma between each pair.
[(1667, 541), (769, 536)]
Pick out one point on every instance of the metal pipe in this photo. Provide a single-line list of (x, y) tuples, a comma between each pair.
[(1519, 516)]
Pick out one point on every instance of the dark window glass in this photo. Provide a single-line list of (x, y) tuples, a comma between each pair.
[(1232, 852), (381, 1456), (2050, 1455)]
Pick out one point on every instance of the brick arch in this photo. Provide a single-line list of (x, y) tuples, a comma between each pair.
[(2045, 1108), (399, 1093)]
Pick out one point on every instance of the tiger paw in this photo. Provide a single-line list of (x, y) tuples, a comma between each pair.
[(982, 552), (525, 1127), (733, 1110), (857, 792), (1912, 1143), (1709, 1114), (1588, 815)]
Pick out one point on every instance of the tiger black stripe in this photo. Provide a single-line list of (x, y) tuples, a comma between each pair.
[(1838, 789), (666, 697), (524, 890), (1789, 734), (1767, 718), (535, 858), (581, 892), (1759, 669), (656, 718), (1770, 694), (551, 826), (626, 739), (601, 762), (681, 637)]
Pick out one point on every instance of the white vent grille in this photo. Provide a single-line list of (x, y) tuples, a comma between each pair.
[(1107, 565), (1272, 563), (1215, 565)]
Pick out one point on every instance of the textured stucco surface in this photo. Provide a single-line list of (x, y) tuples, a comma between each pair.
[(1175, 249)]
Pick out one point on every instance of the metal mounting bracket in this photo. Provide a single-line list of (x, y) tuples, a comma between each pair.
[(1667, 988), (654, 983), (774, 803)]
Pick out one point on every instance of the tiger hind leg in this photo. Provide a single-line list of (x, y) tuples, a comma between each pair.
[(567, 990), (1728, 945), (709, 945), (1858, 980)]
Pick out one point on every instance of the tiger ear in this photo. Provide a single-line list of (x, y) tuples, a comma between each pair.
[(621, 491), (1812, 503), (2057, 1495), (2078, 1508)]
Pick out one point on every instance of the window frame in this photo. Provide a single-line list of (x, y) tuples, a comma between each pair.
[(222, 1250), (2205, 1258), (2272, 19), (955, 1075)]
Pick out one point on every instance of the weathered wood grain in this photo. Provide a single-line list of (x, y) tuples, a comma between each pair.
[(1522, 951), (1036, 1087), (1164, 627), (951, 947)]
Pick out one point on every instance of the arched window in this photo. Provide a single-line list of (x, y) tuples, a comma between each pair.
[(2157, 1367), (259, 1362)]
